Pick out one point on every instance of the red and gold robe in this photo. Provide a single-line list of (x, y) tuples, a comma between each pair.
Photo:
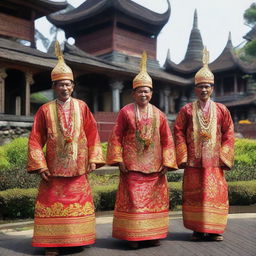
[(205, 194), (142, 201), (64, 211)]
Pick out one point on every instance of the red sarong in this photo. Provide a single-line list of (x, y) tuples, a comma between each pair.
[(142, 206), (64, 213), (205, 200)]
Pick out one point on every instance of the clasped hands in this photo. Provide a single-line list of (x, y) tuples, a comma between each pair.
[(45, 174)]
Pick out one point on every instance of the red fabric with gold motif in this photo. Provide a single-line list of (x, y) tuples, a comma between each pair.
[(67, 154), (142, 207), (205, 200), (204, 154), (64, 213), (145, 146), (219, 154), (127, 143)]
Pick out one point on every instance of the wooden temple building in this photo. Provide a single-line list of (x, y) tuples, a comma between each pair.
[(110, 36)]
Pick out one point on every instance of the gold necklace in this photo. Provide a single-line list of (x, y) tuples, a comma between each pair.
[(205, 123)]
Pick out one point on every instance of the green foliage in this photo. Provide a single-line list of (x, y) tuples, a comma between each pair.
[(4, 163), (39, 98), (250, 48), (14, 154), (245, 151), (174, 176), (104, 146), (242, 193), (104, 197), (103, 180), (241, 173), (245, 161), (250, 15), (175, 189), (18, 178), (17, 203)]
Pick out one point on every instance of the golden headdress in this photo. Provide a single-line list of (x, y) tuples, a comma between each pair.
[(61, 70), (143, 78), (204, 75)]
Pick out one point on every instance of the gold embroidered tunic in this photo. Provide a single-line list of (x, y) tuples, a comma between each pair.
[(64, 158)]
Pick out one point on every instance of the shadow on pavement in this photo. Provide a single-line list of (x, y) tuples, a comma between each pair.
[(21, 245)]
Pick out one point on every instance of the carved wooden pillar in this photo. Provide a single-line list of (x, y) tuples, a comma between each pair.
[(29, 82), (235, 84), (3, 75), (166, 92), (116, 87)]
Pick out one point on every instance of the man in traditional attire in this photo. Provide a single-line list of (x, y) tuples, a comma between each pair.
[(64, 210), (141, 145), (204, 138)]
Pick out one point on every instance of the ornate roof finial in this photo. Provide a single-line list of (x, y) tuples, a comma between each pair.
[(195, 23)]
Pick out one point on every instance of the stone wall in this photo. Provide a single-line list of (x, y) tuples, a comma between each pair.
[(9, 133)]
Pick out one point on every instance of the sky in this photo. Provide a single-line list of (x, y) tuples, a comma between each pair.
[(216, 18)]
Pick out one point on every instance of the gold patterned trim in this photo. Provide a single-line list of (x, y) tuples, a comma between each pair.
[(227, 155), (169, 158), (59, 210), (181, 153), (131, 226), (114, 154), (64, 230)]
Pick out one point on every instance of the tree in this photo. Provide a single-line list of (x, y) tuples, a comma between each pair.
[(250, 15), (250, 18)]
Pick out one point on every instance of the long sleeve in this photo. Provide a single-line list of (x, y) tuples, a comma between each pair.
[(114, 151), (168, 148), (37, 140), (227, 140), (95, 154), (180, 138)]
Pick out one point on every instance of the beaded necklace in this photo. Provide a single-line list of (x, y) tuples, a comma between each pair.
[(67, 128), (145, 127), (205, 122)]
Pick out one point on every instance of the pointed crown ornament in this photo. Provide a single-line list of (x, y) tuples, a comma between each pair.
[(204, 75), (143, 78), (61, 71)]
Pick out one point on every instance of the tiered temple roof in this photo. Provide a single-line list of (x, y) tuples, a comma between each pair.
[(193, 57), (228, 60), (23, 9), (82, 16), (81, 60)]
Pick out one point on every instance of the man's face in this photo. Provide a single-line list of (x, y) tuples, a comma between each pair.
[(63, 89), (203, 91), (142, 95)]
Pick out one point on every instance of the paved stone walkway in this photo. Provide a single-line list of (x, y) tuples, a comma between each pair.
[(239, 240)]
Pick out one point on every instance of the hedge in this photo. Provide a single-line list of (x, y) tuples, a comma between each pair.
[(14, 154), (18, 178), (13, 158), (19, 203), (242, 193)]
